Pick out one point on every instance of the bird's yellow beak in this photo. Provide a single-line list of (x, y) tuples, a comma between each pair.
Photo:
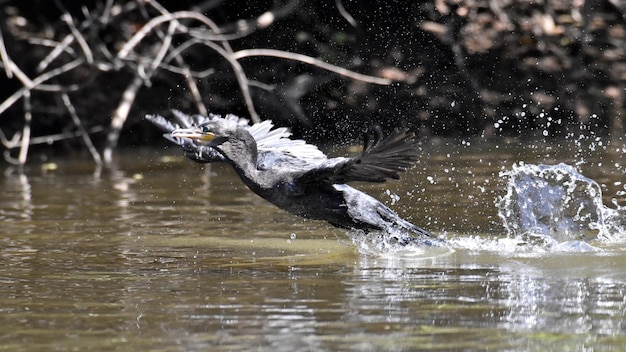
[(194, 134)]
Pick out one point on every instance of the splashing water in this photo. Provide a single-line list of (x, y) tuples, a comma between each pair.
[(552, 205), (388, 243), (546, 208)]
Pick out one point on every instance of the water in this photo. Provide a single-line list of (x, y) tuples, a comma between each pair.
[(161, 254), (554, 204)]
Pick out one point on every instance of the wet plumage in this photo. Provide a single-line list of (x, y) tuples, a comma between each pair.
[(297, 176)]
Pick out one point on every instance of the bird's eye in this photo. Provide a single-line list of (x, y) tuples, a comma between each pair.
[(205, 129)]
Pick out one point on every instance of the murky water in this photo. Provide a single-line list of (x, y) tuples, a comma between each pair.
[(162, 254)]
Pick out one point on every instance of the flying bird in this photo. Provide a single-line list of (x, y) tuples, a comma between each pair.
[(297, 176)]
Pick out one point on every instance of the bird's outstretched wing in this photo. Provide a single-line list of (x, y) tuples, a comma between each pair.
[(274, 146), (381, 159)]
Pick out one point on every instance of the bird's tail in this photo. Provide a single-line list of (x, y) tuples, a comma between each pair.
[(403, 232), (406, 233)]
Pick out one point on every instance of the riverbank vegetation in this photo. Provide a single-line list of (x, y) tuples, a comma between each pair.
[(81, 76)]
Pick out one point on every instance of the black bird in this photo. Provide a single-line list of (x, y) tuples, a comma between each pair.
[(298, 177)]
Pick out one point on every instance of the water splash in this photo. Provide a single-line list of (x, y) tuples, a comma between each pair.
[(388, 244), (554, 206), (547, 208)]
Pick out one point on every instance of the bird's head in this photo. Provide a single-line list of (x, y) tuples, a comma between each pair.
[(212, 133), (200, 134), (228, 137)]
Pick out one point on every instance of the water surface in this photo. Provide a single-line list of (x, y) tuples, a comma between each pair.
[(165, 254)]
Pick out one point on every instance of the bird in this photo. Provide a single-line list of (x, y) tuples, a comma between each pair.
[(299, 178)]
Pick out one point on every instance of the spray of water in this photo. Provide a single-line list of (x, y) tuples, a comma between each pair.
[(550, 205), (545, 208)]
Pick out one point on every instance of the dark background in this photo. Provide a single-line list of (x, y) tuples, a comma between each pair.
[(484, 69)]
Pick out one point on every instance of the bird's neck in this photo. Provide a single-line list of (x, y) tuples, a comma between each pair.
[(243, 155)]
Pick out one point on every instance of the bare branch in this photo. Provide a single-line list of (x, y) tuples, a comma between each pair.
[(51, 44), (165, 45), (4, 56), (183, 68), (83, 133), (28, 117), (241, 78), (8, 102), (345, 14), (55, 52), (123, 53), (13, 69), (10, 68), (62, 136), (67, 18), (218, 36), (193, 86), (311, 61), (9, 159), (10, 143), (119, 117)]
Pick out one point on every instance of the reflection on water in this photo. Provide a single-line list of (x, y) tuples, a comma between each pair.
[(164, 254)]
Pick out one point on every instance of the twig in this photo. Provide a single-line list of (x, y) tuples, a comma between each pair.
[(51, 44), (165, 45), (8, 102), (10, 143), (184, 69), (83, 133), (123, 53), (4, 56), (62, 136), (67, 18), (13, 69), (29, 84), (241, 78), (193, 86), (28, 117), (218, 36), (106, 13), (17, 139), (119, 117), (52, 55), (311, 61), (9, 159), (345, 14), (10, 68)]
